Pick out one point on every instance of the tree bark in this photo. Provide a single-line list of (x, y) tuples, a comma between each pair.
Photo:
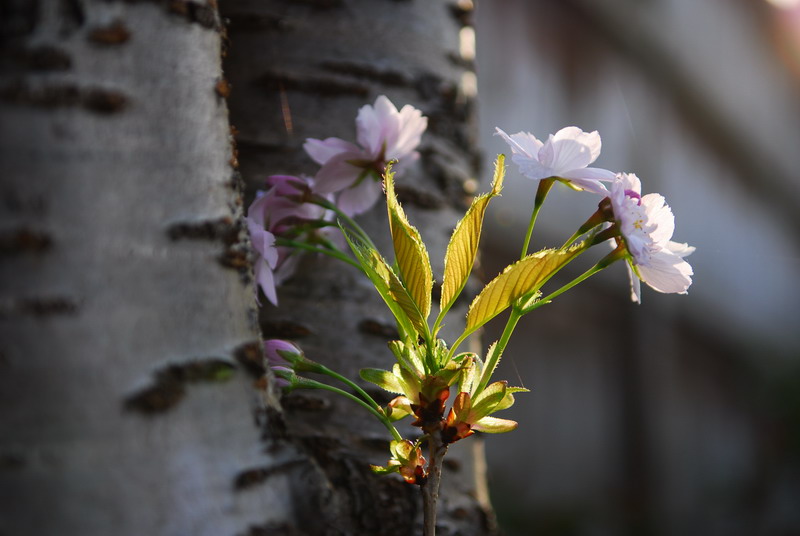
[(303, 69), (127, 303), (130, 391)]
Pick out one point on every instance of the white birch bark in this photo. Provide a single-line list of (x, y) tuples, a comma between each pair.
[(125, 299)]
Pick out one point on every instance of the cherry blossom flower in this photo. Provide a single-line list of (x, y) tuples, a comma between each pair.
[(565, 155), (274, 213), (646, 224), (354, 171)]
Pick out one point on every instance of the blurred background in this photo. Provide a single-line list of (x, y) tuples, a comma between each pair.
[(679, 416)]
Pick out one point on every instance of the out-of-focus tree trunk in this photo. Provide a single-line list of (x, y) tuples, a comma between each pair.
[(125, 300), (129, 400), (303, 69)]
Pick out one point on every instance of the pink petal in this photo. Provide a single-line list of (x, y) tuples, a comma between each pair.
[(522, 143), (566, 151), (265, 279), (659, 214), (323, 150), (667, 272), (359, 199), (412, 124), (337, 174)]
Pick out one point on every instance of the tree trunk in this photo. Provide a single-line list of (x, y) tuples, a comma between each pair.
[(126, 293), (302, 69), (130, 354)]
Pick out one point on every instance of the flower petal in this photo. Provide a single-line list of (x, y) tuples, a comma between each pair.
[(667, 272), (411, 126), (337, 174), (265, 279), (359, 199), (321, 151)]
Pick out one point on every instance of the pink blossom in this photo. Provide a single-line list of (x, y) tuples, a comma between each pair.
[(565, 155), (272, 214), (275, 359), (354, 171), (647, 224)]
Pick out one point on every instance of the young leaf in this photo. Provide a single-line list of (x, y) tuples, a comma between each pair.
[(463, 246), (521, 278), (382, 378), (409, 250), (381, 276), (493, 425)]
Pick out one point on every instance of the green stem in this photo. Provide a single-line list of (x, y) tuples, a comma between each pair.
[(321, 201), (335, 253), (352, 385), (378, 414), (541, 194), (605, 262), (488, 370)]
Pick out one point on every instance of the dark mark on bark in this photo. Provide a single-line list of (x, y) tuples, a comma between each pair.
[(222, 88), (410, 195), (113, 34), (72, 16), (299, 401), (170, 383), (257, 22), (458, 61), (386, 76), (452, 464), (224, 229), (462, 15), (324, 85), (379, 444), (251, 356), (18, 19), (203, 14), (44, 306), (38, 58), (258, 475), (380, 329), (12, 461), (98, 100), (284, 329), (321, 4), (24, 240), (271, 528)]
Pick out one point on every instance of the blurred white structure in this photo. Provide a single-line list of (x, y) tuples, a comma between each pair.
[(651, 417)]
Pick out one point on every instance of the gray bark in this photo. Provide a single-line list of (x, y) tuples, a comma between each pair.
[(302, 70), (131, 392), (125, 299)]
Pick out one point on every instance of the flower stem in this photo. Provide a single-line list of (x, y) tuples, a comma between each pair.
[(491, 363), (541, 194), (430, 489), (378, 414), (335, 253), (603, 263), (321, 201), (363, 394)]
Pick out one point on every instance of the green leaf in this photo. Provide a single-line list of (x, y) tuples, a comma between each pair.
[(463, 246), (409, 250), (517, 280), (493, 425), (407, 357), (485, 402), (382, 378), (508, 400), (381, 275), (407, 303)]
